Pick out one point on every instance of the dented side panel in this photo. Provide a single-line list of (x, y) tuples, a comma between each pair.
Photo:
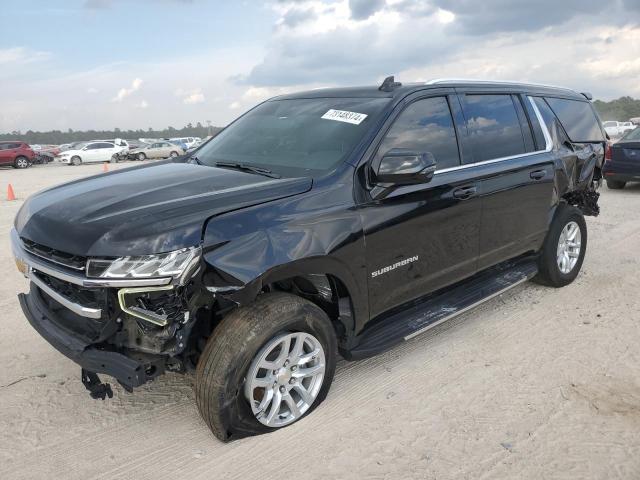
[(319, 232)]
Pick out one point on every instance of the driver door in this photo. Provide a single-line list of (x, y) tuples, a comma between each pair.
[(422, 237)]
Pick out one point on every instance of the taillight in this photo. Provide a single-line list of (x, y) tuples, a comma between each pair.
[(608, 152)]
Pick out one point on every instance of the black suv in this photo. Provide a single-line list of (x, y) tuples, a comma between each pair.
[(340, 220)]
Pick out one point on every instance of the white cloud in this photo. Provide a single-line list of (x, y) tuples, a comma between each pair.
[(21, 55), (235, 105), (141, 104), (125, 92), (190, 97)]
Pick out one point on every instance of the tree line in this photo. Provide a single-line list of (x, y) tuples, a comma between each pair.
[(621, 109), (57, 137)]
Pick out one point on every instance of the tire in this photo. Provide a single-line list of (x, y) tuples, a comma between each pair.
[(21, 162), (141, 156), (76, 161), (615, 184), (551, 271), (114, 159), (173, 154), (234, 350)]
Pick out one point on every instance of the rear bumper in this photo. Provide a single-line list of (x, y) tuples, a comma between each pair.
[(128, 371)]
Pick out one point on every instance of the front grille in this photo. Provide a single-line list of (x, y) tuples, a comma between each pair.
[(68, 260), (88, 329)]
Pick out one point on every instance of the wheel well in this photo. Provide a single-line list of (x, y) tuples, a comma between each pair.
[(327, 292)]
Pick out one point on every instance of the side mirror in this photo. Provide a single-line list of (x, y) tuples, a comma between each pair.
[(404, 167)]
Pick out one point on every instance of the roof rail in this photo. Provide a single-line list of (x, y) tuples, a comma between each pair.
[(436, 81)]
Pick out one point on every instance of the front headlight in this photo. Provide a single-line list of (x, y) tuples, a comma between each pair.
[(172, 264)]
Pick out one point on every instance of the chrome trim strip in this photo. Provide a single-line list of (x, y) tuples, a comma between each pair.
[(34, 262), (547, 140), (545, 130), (64, 301), (466, 309)]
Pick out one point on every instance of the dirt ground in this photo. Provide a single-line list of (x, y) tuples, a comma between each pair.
[(537, 383)]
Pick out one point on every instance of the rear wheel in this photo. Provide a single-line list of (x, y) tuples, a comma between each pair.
[(266, 366), (615, 184), (173, 154), (564, 248), (76, 161), (21, 162)]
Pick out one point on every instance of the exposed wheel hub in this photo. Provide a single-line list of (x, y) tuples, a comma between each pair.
[(285, 378)]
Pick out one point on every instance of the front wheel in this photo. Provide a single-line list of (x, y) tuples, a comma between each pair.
[(266, 366), (173, 154), (21, 162), (76, 161), (564, 248), (114, 159), (142, 156)]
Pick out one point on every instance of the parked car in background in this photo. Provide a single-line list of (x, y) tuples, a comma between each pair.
[(18, 154), (91, 152), (180, 143), (622, 162), (156, 150), (188, 141), (617, 129)]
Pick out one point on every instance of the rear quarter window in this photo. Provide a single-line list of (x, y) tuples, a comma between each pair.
[(577, 118)]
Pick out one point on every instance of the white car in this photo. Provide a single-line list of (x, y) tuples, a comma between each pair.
[(92, 152), (188, 141), (617, 129)]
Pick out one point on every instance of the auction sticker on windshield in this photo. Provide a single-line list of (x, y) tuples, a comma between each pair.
[(345, 116)]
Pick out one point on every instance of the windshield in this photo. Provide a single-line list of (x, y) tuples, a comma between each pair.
[(632, 134), (294, 137)]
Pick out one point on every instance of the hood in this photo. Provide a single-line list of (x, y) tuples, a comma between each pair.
[(143, 210)]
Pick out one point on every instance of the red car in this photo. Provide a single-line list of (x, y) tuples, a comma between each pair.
[(18, 154)]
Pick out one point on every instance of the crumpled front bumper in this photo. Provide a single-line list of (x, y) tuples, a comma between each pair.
[(128, 371)]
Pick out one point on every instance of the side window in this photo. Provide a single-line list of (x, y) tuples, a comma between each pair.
[(577, 118), (425, 126), (541, 143), (92, 146), (493, 126)]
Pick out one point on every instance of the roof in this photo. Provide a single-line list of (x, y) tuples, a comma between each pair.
[(405, 89)]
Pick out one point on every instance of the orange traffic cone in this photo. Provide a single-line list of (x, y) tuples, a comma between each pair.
[(105, 167), (10, 195)]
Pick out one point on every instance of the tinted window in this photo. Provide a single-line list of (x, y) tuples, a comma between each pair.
[(577, 118), (632, 134), (425, 126), (296, 136), (493, 126), (92, 146), (541, 143), (104, 145)]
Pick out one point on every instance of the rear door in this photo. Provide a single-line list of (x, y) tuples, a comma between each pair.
[(420, 238), (6, 157), (516, 172)]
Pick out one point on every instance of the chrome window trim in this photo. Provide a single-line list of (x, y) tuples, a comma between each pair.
[(547, 149)]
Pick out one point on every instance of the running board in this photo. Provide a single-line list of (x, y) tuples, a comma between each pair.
[(442, 306)]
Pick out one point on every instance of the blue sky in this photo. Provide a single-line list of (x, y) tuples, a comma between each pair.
[(152, 63)]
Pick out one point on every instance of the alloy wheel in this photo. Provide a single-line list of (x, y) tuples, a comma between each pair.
[(285, 378), (569, 247)]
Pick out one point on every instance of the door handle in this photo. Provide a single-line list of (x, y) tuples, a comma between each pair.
[(538, 174), (464, 193)]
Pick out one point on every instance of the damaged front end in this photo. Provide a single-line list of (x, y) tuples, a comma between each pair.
[(130, 317)]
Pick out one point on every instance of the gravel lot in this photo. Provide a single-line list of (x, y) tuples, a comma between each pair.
[(537, 383)]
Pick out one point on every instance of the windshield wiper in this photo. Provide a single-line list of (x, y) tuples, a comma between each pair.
[(194, 159), (248, 168)]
